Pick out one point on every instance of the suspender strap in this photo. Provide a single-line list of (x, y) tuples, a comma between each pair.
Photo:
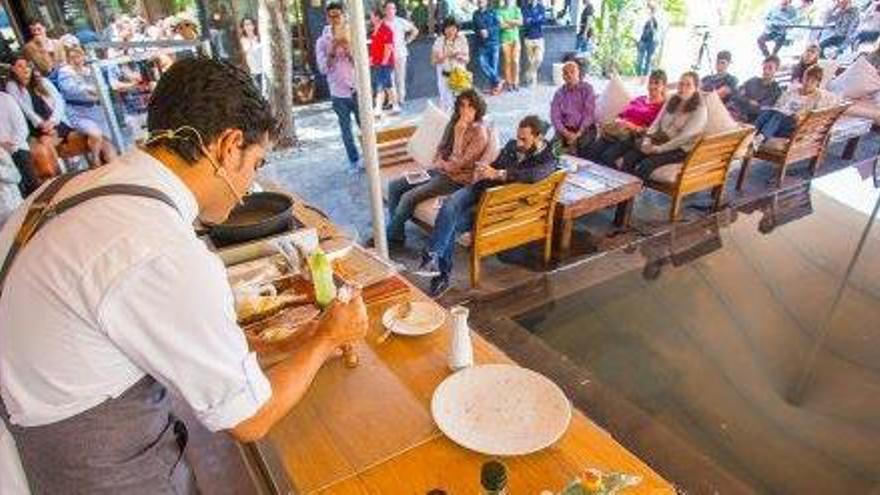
[(43, 209)]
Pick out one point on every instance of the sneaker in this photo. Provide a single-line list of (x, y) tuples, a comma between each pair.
[(439, 285), (757, 142), (430, 266), (356, 166), (395, 110)]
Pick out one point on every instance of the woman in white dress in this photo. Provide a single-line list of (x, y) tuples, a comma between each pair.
[(450, 52), (252, 49)]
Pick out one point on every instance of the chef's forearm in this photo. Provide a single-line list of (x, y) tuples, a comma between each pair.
[(289, 380)]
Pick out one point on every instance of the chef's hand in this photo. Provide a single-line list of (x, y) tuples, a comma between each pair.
[(343, 323)]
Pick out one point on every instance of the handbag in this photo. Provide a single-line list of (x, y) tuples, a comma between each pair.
[(616, 131)]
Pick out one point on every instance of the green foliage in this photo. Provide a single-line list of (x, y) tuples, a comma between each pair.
[(676, 11), (745, 10), (616, 37)]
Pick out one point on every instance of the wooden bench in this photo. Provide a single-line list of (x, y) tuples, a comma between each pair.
[(808, 142), (507, 216), (705, 167)]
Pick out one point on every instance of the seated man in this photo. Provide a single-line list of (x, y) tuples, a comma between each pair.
[(793, 105), (844, 17), (775, 23), (572, 110), (527, 159), (756, 94), (721, 82)]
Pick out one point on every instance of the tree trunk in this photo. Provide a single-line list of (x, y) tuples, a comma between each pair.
[(275, 34)]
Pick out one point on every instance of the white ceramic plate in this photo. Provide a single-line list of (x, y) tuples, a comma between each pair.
[(501, 409), (423, 319)]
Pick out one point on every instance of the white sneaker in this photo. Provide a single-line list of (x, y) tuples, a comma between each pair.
[(395, 110), (757, 141)]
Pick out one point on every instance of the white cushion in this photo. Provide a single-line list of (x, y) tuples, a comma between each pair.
[(667, 174), (493, 148), (612, 101), (423, 144), (859, 80), (719, 119)]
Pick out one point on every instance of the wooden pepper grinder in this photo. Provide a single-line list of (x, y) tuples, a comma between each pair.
[(349, 356)]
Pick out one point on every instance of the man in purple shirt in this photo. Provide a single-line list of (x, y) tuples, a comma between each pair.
[(333, 54), (573, 111)]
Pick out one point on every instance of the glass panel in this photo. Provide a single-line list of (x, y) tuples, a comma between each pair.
[(736, 353)]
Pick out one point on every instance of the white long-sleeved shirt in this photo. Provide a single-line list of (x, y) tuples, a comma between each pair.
[(683, 129), (114, 289), (54, 99)]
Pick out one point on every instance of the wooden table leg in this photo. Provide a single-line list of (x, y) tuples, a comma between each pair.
[(624, 213), (564, 249)]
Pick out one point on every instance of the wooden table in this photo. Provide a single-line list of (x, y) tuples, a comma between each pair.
[(606, 187), (370, 430)]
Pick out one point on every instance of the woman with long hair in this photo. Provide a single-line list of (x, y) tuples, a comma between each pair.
[(77, 85), (44, 109), (464, 142), (252, 48), (449, 53), (674, 132)]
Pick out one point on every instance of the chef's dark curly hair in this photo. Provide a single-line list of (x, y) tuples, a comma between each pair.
[(209, 96)]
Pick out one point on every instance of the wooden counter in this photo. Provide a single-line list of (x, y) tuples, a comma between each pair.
[(370, 430)]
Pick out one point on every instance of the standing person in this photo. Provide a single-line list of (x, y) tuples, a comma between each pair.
[(647, 42), (775, 27), (722, 82), (584, 27), (333, 54), (510, 18), (526, 159), (534, 16), (674, 132), (44, 52), (792, 106), (77, 86), (488, 30), (464, 141), (382, 59), (14, 141), (573, 110), (845, 18), (756, 94), (450, 52), (133, 306), (252, 47), (404, 33)]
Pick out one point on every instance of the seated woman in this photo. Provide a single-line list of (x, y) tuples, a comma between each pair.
[(14, 141), (793, 105), (674, 132), (526, 159), (630, 124), (44, 109), (464, 142), (809, 58), (77, 86)]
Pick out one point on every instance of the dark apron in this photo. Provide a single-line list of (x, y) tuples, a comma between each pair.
[(131, 444)]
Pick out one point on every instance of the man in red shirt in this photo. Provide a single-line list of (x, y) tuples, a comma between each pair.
[(382, 59)]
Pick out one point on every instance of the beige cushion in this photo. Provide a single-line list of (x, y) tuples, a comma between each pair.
[(719, 119), (388, 174), (859, 80), (493, 148), (667, 174), (777, 144), (423, 144), (612, 101)]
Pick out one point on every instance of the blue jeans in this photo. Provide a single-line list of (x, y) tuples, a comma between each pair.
[(773, 123), (345, 108), (643, 58), (455, 217), (488, 59), (403, 198)]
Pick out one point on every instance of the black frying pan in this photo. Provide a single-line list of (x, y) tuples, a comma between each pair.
[(263, 214)]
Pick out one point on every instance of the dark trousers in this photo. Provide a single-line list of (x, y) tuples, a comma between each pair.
[(777, 38), (403, 198), (345, 109), (643, 57), (835, 41), (773, 123), (643, 165), (487, 57), (24, 164), (606, 150)]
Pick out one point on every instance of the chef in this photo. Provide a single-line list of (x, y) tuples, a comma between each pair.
[(110, 304)]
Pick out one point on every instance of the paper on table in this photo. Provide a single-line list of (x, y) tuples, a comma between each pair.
[(587, 183)]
